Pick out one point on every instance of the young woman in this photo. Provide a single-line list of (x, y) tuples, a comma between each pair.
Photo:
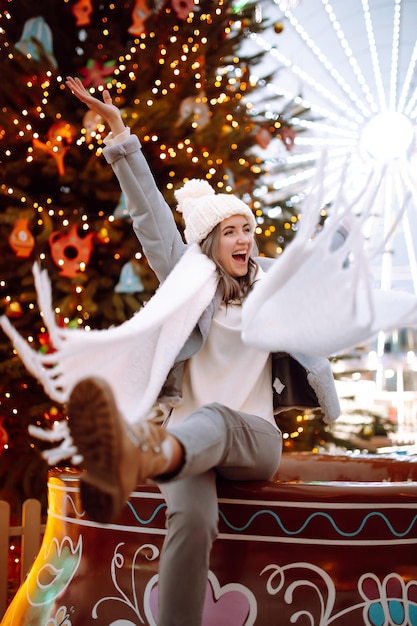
[(224, 424)]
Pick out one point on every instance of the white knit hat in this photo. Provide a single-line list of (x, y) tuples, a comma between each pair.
[(203, 209)]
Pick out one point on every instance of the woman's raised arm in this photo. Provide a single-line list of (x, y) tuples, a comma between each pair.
[(105, 108)]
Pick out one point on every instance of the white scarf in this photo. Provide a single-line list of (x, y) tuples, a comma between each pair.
[(311, 302), (318, 299), (135, 357)]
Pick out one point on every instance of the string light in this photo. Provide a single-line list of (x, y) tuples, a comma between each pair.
[(306, 77), (342, 127), (374, 54), (395, 54), (349, 55), (328, 66), (407, 82)]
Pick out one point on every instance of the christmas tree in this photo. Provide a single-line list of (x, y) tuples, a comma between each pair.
[(176, 71)]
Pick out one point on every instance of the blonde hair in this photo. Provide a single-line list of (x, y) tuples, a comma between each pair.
[(233, 289)]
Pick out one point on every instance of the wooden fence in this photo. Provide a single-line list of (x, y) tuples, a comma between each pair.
[(30, 531)]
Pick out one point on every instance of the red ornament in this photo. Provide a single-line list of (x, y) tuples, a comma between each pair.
[(69, 251), (287, 137), (183, 8), (140, 14), (46, 345), (82, 11), (263, 138), (21, 239), (95, 73), (45, 341), (60, 136)]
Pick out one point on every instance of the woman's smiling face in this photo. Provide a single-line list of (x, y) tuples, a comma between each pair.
[(234, 245)]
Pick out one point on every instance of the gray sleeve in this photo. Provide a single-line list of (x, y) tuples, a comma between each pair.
[(153, 222)]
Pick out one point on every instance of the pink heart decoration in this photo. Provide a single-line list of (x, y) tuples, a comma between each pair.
[(230, 605)]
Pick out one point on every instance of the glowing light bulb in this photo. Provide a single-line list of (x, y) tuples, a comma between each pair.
[(388, 136)]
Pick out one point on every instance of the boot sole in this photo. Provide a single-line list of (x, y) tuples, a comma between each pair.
[(96, 431)]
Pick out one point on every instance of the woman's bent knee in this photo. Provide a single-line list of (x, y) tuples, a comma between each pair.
[(195, 523)]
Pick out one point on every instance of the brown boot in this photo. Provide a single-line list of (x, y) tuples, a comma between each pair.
[(116, 456)]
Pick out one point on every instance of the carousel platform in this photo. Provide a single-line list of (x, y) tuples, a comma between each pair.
[(331, 540)]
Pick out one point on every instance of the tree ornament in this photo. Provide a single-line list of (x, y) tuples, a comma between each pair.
[(263, 137), (69, 251), (82, 11), (14, 309), (129, 281), (21, 239), (60, 136), (278, 27), (287, 136), (53, 416), (140, 14), (226, 129), (46, 344), (61, 131), (195, 108), (36, 40), (95, 72), (183, 8)]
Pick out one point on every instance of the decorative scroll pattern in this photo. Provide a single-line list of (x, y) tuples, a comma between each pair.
[(390, 602), (232, 602)]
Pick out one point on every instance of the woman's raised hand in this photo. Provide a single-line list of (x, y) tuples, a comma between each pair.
[(105, 108)]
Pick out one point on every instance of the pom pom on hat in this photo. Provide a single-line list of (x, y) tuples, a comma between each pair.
[(203, 209), (194, 188)]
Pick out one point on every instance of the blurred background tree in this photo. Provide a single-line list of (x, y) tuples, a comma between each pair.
[(176, 71)]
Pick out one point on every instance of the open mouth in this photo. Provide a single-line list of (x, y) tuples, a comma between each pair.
[(240, 257)]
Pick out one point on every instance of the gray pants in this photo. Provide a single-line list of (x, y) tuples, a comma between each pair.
[(217, 442)]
